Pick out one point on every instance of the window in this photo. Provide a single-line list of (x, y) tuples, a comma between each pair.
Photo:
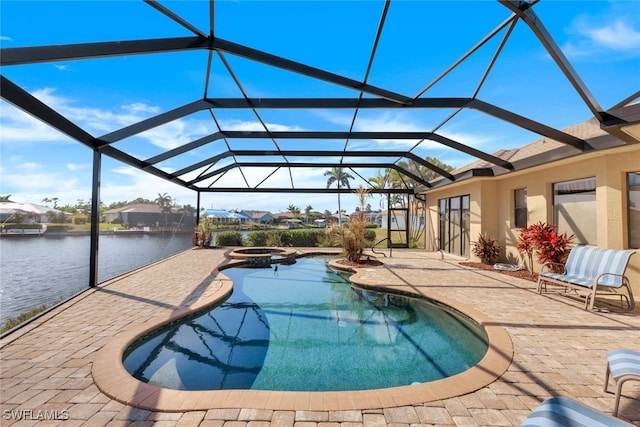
[(633, 208), (574, 209), (520, 207)]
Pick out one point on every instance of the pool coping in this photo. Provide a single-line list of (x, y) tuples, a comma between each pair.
[(112, 379)]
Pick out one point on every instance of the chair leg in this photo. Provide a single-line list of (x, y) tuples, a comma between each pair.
[(606, 378), (617, 401), (590, 302), (632, 302)]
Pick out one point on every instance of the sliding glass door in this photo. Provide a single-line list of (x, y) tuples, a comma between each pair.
[(453, 225)]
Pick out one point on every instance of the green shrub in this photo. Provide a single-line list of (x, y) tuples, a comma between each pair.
[(258, 238), (309, 237), (303, 238), (58, 227), (22, 226), (370, 236), (229, 238), (79, 219)]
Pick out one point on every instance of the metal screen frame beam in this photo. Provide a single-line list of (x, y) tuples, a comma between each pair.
[(153, 122), (527, 14), (528, 124), (229, 167), (308, 153), (95, 220), (52, 53), (346, 103), (305, 190), (306, 70)]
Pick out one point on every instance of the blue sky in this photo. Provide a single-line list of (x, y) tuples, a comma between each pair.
[(419, 41)]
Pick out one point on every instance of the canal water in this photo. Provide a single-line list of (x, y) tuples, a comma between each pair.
[(44, 270)]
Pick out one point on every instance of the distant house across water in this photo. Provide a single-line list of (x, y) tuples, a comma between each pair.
[(221, 215), (28, 213), (259, 217), (148, 215)]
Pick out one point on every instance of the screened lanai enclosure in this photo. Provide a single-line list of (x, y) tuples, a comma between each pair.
[(263, 97)]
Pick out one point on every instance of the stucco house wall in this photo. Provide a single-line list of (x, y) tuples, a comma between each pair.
[(492, 202)]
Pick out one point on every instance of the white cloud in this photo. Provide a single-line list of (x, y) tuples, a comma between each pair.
[(255, 125), (612, 33), (76, 166), (27, 166), (390, 121), (33, 185), (19, 127), (618, 36), (175, 133), (139, 107)]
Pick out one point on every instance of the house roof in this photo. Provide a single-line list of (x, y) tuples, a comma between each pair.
[(25, 208), (281, 215), (220, 213), (256, 214), (537, 152), (137, 208)]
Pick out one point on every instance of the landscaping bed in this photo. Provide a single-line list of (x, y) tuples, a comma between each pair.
[(520, 274), (360, 264)]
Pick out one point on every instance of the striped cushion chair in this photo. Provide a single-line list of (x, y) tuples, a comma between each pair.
[(563, 412), (622, 365)]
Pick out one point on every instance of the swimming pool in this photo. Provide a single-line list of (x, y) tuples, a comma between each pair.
[(302, 327)]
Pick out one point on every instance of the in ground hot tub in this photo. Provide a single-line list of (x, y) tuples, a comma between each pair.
[(264, 256)]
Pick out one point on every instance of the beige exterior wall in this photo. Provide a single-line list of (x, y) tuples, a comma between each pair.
[(492, 201)]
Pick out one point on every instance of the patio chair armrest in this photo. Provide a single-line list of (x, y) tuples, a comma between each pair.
[(596, 280), (550, 264)]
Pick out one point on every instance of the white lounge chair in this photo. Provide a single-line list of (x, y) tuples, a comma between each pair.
[(563, 412), (622, 365), (592, 269)]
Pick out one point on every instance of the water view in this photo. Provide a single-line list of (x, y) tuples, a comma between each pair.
[(44, 270)]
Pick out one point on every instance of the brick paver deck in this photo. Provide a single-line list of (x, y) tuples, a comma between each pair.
[(559, 350)]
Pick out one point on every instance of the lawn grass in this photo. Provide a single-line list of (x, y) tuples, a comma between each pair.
[(12, 323)]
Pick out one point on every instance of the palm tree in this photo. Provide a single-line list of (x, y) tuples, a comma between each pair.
[(380, 182), (164, 201), (339, 176), (307, 212), (294, 210)]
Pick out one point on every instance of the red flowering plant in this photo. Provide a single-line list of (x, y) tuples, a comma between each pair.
[(548, 244), (487, 249)]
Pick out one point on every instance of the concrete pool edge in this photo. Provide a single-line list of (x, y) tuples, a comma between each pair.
[(114, 380)]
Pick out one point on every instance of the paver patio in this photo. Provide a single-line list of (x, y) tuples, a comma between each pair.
[(559, 350)]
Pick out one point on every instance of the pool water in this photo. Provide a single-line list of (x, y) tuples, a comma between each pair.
[(303, 327)]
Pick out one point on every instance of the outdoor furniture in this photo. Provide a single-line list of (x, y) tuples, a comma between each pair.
[(623, 365), (592, 269), (563, 412)]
